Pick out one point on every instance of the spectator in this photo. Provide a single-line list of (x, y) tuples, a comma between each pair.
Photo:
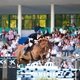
[(64, 64), (36, 28), (11, 35), (3, 33)]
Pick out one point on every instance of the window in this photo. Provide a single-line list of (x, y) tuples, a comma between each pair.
[(43, 23), (66, 20), (61, 20), (31, 20), (58, 20), (28, 20), (27, 24), (42, 20), (77, 20), (5, 21), (13, 21)]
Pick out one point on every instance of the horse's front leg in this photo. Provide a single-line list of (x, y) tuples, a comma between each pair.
[(42, 59), (19, 55)]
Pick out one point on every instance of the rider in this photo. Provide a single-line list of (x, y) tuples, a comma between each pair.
[(28, 45)]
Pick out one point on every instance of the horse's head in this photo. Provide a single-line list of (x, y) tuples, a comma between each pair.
[(46, 46), (43, 42)]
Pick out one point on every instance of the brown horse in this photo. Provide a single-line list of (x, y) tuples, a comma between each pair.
[(37, 53), (47, 51)]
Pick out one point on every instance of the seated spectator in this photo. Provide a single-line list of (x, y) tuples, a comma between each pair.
[(11, 35), (64, 64), (14, 44), (77, 49), (3, 33), (4, 50), (70, 65)]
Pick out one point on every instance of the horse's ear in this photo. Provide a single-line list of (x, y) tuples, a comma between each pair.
[(45, 39), (42, 39), (39, 40)]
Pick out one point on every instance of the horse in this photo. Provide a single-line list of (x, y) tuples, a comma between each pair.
[(47, 52), (37, 52)]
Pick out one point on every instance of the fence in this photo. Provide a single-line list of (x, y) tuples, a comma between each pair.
[(49, 71), (8, 68), (34, 71)]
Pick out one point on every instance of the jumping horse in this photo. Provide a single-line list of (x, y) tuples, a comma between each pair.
[(38, 52)]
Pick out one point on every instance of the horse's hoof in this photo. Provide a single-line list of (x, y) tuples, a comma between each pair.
[(19, 61)]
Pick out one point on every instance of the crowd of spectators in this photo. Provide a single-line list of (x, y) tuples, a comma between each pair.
[(66, 45), (8, 42)]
